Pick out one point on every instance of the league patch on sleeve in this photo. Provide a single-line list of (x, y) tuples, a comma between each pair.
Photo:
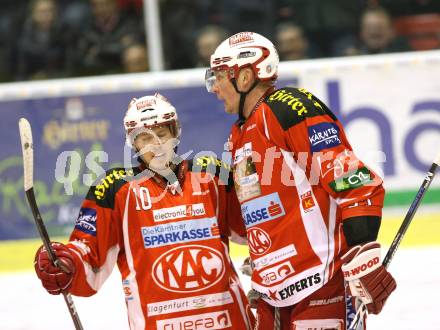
[(86, 221), (358, 178), (323, 136)]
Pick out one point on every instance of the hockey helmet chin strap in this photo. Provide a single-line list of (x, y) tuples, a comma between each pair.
[(241, 118)]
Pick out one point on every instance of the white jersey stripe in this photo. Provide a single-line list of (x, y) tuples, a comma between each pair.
[(313, 221), (216, 198), (135, 315), (340, 201), (95, 279), (235, 288), (236, 291), (331, 234), (266, 129)]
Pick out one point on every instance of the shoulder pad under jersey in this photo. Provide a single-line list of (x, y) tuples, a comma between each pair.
[(106, 187), (292, 105)]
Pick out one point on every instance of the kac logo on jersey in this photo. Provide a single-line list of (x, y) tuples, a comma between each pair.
[(189, 268), (262, 209), (323, 136), (86, 221), (258, 240)]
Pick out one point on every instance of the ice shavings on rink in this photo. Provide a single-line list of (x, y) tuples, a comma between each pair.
[(24, 304)]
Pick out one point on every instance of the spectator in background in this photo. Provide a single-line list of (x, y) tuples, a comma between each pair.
[(41, 47), (207, 40), (6, 47), (180, 19), (250, 15), (377, 34), (325, 22), (135, 58), (11, 15), (409, 7), (131, 6), (291, 41), (103, 39), (73, 14)]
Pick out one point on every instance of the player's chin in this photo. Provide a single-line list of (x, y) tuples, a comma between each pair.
[(159, 163), (229, 109), (147, 157)]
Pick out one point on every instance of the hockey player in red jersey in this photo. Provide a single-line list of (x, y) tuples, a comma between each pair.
[(312, 209), (166, 225)]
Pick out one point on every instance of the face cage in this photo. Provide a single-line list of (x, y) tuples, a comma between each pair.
[(209, 80), (232, 71), (173, 124), (210, 77)]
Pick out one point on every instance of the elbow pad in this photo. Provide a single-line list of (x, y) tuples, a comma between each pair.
[(360, 230)]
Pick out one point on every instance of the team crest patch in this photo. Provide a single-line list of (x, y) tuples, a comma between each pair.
[(307, 201)]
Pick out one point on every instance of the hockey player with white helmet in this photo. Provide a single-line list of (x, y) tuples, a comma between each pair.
[(153, 130), (167, 231), (311, 208), (245, 49)]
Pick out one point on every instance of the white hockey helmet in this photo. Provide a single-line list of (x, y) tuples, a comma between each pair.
[(241, 50), (148, 112)]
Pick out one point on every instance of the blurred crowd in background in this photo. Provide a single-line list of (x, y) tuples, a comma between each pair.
[(43, 39)]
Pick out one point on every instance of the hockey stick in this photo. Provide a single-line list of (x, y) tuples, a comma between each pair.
[(28, 169), (402, 230)]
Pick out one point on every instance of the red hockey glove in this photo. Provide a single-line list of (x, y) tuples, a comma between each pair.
[(55, 280), (368, 279)]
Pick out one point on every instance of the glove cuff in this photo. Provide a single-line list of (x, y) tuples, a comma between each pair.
[(363, 263)]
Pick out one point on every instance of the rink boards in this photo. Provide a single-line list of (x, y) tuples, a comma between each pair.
[(424, 231), (391, 119)]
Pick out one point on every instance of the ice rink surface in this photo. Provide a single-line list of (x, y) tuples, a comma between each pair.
[(24, 304)]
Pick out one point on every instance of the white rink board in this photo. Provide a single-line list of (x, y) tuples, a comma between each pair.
[(25, 305), (401, 92)]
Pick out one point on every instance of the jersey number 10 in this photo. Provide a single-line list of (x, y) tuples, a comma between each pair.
[(142, 197)]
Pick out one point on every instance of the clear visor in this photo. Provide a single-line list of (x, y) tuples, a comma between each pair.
[(210, 80)]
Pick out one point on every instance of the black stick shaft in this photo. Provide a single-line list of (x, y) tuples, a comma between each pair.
[(403, 227), (410, 215), (46, 242), (40, 225)]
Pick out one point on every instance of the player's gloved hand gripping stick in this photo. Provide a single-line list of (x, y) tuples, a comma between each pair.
[(28, 166), (397, 239)]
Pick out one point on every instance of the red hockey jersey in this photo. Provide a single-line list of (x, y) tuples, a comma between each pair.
[(297, 179), (171, 247)]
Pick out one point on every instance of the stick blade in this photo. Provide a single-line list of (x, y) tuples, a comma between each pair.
[(28, 152)]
